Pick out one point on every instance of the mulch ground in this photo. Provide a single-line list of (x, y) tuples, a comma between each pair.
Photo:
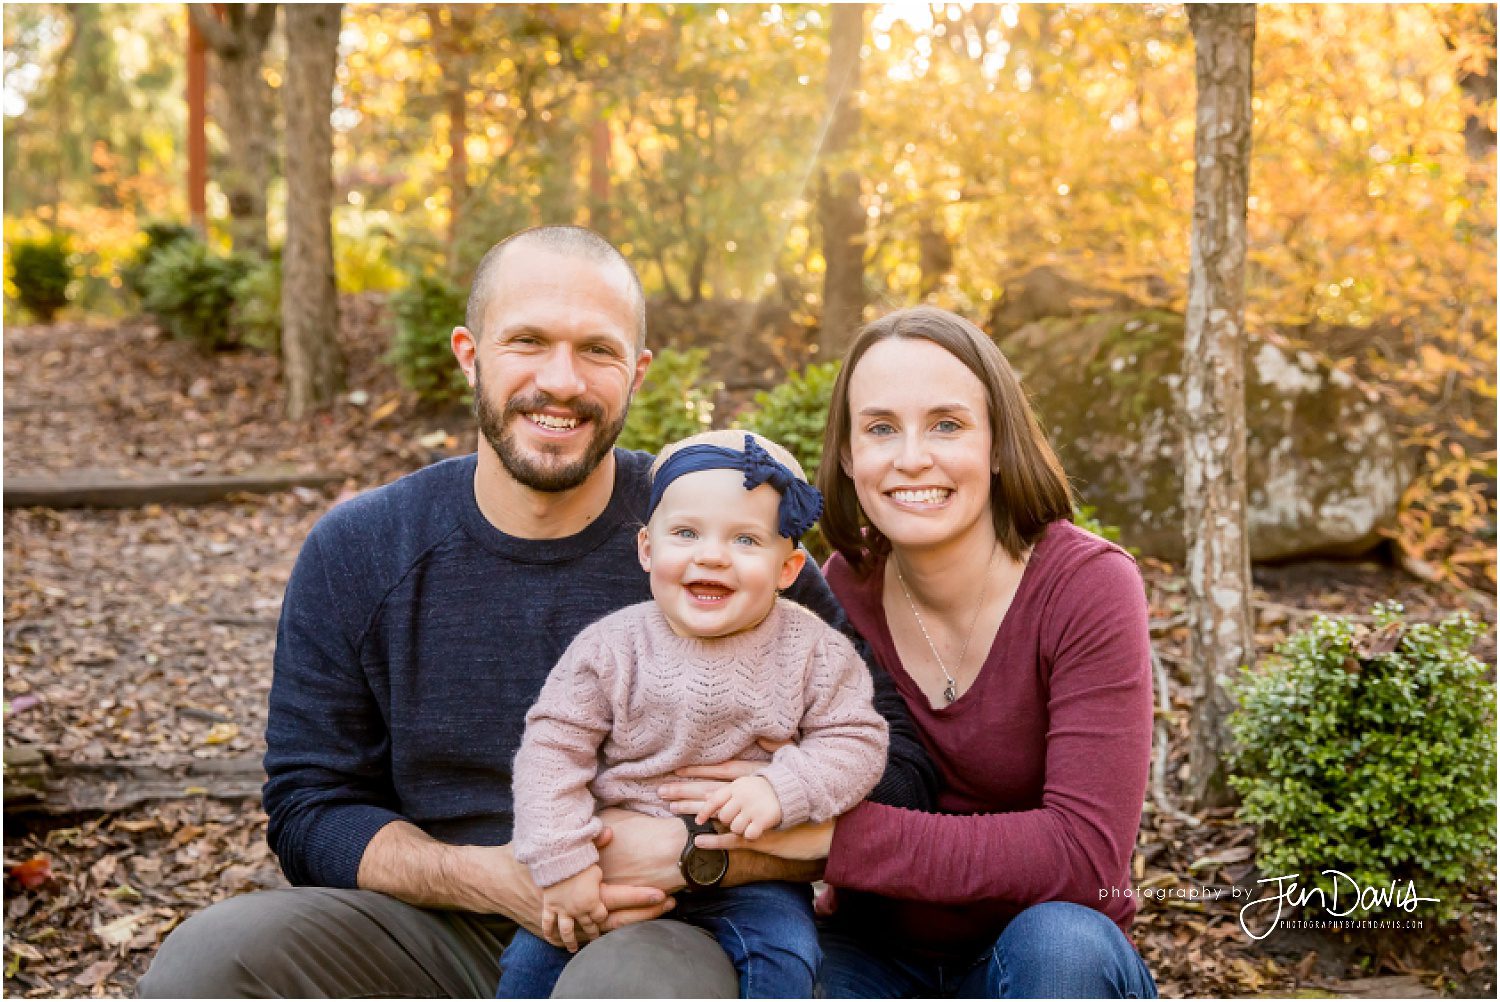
[(146, 635)]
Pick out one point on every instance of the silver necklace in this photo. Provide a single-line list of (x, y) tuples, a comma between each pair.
[(950, 691)]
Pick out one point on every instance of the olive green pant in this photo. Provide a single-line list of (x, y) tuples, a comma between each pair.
[(320, 942)]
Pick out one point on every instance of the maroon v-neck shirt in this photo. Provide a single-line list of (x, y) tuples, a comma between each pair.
[(1043, 760)]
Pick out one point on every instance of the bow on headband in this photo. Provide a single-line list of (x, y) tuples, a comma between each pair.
[(801, 502)]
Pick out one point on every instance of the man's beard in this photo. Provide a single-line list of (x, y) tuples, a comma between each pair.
[(547, 478)]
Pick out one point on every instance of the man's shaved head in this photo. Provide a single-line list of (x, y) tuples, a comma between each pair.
[(570, 241)]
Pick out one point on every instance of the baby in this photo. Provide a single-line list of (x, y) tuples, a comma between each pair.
[(712, 667)]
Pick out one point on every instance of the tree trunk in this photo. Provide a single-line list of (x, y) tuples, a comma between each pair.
[(452, 27), (840, 214), (312, 362), (197, 141), (243, 111), (1221, 633)]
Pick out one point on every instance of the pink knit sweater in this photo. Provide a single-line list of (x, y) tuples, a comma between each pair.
[(630, 701)]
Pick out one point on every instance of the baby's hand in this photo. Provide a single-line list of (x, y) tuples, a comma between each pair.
[(572, 910), (748, 806)]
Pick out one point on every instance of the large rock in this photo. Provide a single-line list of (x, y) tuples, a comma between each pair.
[(1324, 471)]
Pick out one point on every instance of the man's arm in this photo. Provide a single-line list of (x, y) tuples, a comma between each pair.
[(407, 863)]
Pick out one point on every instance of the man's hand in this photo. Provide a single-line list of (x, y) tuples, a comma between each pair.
[(748, 805), (408, 864), (640, 850), (572, 909)]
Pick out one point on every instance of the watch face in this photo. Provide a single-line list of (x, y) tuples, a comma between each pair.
[(705, 867)]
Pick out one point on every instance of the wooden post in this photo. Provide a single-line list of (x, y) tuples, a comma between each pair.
[(599, 140), (197, 143)]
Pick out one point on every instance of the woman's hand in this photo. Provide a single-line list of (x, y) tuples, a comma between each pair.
[(688, 790), (804, 842)]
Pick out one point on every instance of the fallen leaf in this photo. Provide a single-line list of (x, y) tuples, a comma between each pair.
[(218, 734), (121, 930), (96, 972), (385, 410), (33, 873), (1236, 855)]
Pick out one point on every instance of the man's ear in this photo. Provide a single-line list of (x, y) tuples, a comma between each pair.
[(643, 549), (464, 346), (642, 363), (790, 568)]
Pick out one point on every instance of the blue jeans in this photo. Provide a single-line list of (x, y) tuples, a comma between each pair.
[(1052, 950), (767, 930)]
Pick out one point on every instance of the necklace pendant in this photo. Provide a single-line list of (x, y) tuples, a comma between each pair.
[(950, 691)]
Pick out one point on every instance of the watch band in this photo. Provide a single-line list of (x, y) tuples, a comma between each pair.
[(691, 854)]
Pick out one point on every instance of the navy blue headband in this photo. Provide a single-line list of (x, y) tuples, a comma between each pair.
[(801, 503)]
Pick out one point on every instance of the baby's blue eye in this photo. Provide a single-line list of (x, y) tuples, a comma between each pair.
[(744, 539), (682, 532)]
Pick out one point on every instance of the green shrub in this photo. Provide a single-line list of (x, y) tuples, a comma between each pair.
[(256, 316), (795, 413), (1379, 765), (674, 402), (191, 290), (41, 270), (159, 236), (426, 311), (1085, 518)]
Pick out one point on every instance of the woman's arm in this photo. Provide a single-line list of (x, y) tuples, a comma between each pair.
[(1098, 750), (1079, 840)]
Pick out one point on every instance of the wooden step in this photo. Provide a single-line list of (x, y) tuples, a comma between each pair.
[(112, 489)]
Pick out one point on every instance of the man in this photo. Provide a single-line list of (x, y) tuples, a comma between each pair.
[(419, 625)]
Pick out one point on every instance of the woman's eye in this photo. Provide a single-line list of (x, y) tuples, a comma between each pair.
[(947, 425), (880, 428)]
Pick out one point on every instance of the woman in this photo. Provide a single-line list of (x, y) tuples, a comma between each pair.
[(1021, 646)]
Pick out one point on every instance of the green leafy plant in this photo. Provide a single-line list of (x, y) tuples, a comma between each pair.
[(795, 413), (191, 289), (158, 236), (1085, 518), (1371, 753), (426, 311), (674, 402), (41, 270), (256, 316)]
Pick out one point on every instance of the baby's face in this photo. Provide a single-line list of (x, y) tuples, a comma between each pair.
[(714, 555)]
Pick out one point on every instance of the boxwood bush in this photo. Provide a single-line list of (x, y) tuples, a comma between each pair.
[(256, 315), (675, 401), (191, 289), (795, 413), (426, 310), (1372, 753), (158, 237), (41, 269)]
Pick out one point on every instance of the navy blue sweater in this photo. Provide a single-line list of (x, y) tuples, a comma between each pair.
[(413, 639)]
